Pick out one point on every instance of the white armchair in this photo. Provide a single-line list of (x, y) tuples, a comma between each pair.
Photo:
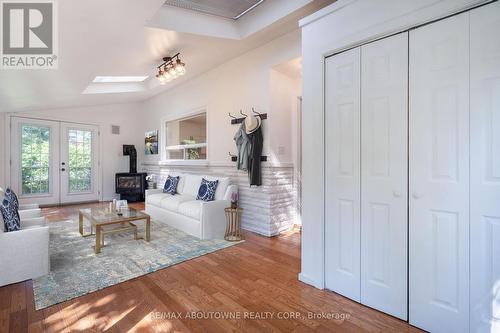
[(24, 253)]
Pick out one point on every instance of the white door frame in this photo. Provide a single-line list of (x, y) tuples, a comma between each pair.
[(8, 150)]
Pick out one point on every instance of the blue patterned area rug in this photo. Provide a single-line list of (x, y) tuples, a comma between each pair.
[(75, 269)]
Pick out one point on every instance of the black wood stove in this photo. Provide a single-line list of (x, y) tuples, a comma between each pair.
[(131, 185)]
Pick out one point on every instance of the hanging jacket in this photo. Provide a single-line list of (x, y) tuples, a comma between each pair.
[(254, 164), (243, 146)]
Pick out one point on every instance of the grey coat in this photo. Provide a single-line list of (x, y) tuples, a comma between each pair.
[(243, 145)]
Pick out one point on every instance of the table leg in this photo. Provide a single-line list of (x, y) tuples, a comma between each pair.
[(148, 229), (97, 239), (80, 223)]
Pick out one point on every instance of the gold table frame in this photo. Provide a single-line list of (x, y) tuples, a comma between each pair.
[(100, 217)]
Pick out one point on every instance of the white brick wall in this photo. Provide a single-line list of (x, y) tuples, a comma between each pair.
[(268, 209)]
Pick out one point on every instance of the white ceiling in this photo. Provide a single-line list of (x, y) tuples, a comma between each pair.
[(127, 38)]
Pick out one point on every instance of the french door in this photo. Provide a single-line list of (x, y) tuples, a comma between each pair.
[(54, 162)]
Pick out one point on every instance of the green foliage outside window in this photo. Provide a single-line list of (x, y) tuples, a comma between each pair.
[(35, 160), (35, 165)]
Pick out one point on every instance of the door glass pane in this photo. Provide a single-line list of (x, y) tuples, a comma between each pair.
[(79, 160), (35, 159)]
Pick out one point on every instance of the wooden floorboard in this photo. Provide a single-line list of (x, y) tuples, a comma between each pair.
[(255, 280)]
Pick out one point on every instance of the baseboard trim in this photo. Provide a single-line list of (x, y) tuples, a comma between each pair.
[(310, 281)]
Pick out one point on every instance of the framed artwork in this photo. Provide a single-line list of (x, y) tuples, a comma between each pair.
[(151, 143)]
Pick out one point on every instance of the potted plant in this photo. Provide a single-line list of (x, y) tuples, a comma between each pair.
[(151, 179), (234, 200)]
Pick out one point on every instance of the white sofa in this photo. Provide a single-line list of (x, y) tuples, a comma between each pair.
[(24, 253), (205, 220)]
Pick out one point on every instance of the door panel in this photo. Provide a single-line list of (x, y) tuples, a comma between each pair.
[(384, 174), (342, 158), (439, 176), (35, 158), (485, 169), (79, 163)]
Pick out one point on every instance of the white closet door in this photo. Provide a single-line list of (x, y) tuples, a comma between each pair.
[(384, 174), (485, 169), (342, 174), (439, 175)]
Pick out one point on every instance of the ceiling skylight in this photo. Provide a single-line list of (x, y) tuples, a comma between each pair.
[(232, 9), (119, 79)]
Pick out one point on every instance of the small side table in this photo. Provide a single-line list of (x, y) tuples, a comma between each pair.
[(233, 228)]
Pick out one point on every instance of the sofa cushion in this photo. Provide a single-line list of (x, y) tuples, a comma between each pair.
[(11, 197), (10, 216), (191, 209), (192, 184), (180, 184), (207, 189), (172, 202), (155, 199), (170, 186), (221, 187)]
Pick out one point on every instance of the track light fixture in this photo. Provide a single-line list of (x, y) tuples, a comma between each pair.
[(170, 69)]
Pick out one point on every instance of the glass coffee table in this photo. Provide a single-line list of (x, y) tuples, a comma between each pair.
[(101, 218)]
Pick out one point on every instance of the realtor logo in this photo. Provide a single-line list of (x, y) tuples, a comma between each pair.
[(28, 34)]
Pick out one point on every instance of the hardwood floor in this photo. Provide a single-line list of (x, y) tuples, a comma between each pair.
[(255, 279)]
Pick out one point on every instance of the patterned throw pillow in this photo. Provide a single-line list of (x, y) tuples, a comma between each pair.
[(206, 192), (11, 197), (170, 186), (11, 219)]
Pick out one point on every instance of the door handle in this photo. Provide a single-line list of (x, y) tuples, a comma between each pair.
[(62, 169)]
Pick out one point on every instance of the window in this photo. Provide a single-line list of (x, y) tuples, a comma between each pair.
[(79, 160), (186, 139), (35, 159)]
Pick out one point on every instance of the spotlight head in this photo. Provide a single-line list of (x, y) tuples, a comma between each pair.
[(172, 71)]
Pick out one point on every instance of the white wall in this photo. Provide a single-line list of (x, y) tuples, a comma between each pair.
[(353, 23), (242, 83), (280, 123), (247, 81), (3, 158), (127, 116)]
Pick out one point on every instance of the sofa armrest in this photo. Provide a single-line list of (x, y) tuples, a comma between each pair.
[(153, 191), (29, 213), (28, 206), (230, 190), (213, 219), (33, 222), (25, 254)]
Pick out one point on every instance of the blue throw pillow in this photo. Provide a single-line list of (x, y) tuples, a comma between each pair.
[(170, 186), (10, 215), (11, 197), (206, 192)]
